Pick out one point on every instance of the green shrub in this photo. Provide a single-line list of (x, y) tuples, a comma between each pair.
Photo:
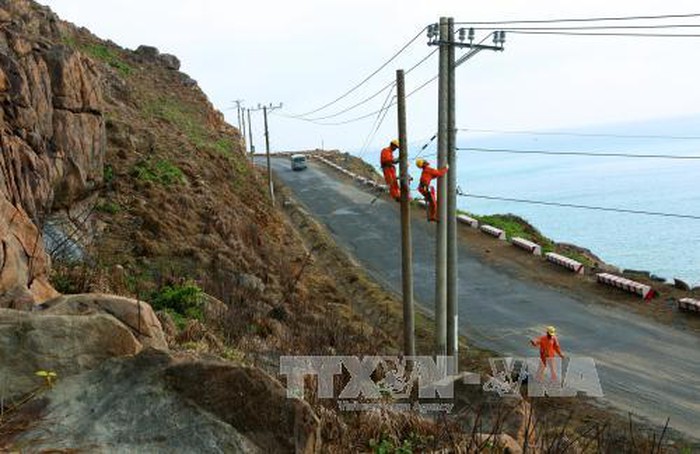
[(182, 301), (108, 207), (107, 55), (161, 171)]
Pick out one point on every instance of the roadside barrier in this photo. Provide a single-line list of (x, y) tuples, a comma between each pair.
[(566, 262), (629, 285), (493, 231), (471, 222), (689, 304), (528, 245)]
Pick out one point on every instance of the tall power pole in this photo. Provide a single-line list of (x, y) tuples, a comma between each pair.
[(441, 237), (250, 133), (238, 109), (267, 151), (452, 265), (265, 109), (406, 246), (446, 288), (245, 145)]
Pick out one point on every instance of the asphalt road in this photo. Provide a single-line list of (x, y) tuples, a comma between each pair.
[(644, 367)]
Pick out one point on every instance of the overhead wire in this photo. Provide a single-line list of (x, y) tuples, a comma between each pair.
[(366, 79), (582, 207), (595, 27), (617, 34), (381, 114), (583, 19), (371, 97), (579, 134), (578, 153)]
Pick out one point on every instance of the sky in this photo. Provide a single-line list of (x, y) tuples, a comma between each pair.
[(306, 53)]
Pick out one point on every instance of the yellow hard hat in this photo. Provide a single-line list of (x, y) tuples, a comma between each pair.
[(420, 163), (395, 143), (551, 330)]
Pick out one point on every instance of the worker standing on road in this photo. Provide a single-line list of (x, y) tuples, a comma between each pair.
[(426, 189), (388, 167), (549, 345)]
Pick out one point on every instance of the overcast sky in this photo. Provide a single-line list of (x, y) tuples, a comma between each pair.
[(306, 53)]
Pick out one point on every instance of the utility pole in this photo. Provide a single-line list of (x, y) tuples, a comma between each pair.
[(250, 134), (238, 109), (406, 246), (452, 265), (245, 146), (441, 237), (265, 109), (446, 288)]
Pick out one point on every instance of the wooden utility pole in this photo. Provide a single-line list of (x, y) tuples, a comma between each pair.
[(441, 237), (406, 246)]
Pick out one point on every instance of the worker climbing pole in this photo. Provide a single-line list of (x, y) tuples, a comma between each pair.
[(388, 163), (426, 188)]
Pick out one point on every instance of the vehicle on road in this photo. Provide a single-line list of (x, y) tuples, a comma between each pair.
[(298, 162)]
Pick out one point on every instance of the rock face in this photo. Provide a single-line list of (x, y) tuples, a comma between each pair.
[(135, 315), (67, 345), (136, 404), (52, 135)]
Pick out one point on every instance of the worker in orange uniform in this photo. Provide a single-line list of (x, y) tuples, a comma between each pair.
[(388, 167), (426, 189), (549, 345)]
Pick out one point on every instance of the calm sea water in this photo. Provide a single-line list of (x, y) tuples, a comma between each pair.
[(666, 246)]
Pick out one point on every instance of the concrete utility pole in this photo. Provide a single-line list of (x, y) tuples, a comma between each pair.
[(238, 109), (250, 133), (441, 238), (265, 109), (245, 145), (446, 288), (409, 345), (452, 265)]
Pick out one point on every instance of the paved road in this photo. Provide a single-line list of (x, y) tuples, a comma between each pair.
[(644, 367)]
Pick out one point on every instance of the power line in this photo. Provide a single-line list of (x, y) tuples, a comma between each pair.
[(618, 34), (578, 153), (578, 134), (371, 97), (583, 19), (344, 95), (582, 207), (377, 123), (597, 27)]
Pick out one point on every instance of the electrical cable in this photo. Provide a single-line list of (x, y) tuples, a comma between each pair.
[(377, 123), (578, 153), (595, 27), (578, 134), (620, 34), (583, 19), (582, 207), (371, 97), (366, 79)]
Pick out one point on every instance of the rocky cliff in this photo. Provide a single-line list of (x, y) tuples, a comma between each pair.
[(53, 141)]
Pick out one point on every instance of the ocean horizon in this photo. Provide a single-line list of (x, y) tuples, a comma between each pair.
[(666, 246)]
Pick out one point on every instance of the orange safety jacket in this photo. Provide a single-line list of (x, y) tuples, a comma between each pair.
[(387, 157), (548, 346), (429, 173)]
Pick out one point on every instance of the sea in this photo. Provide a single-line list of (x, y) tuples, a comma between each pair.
[(666, 245)]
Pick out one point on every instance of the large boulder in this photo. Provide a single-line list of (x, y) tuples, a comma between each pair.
[(67, 345), (161, 403), (138, 316)]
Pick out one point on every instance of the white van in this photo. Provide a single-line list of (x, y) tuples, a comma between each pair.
[(298, 162)]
